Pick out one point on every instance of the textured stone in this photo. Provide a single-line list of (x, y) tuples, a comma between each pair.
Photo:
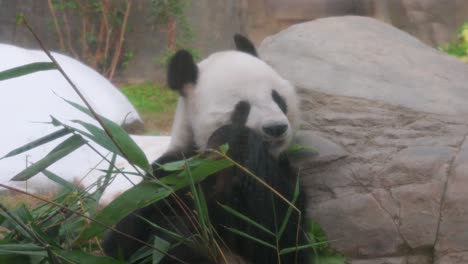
[(392, 187), (419, 212), (323, 62), (415, 165), (412, 259), (324, 149), (453, 234), (453, 258), (420, 259), (352, 231), (396, 260)]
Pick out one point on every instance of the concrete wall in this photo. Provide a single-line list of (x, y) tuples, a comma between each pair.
[(213, 22)]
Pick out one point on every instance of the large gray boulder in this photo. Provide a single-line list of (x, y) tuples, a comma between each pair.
[(390, 117)]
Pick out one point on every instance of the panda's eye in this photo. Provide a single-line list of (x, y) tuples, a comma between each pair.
[(240, 113), (279, 101)]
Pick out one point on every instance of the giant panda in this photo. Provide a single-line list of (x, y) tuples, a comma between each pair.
[(230, 97)]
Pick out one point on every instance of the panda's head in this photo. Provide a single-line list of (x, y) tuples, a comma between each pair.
[(210, 91)]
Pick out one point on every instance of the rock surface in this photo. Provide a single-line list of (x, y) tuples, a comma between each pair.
[(360, 57), (391, 183)]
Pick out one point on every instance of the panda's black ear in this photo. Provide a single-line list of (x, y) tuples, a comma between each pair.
[(182, 70), (245, 45)]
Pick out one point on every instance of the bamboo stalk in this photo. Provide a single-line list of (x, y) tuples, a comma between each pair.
[(56, 25)]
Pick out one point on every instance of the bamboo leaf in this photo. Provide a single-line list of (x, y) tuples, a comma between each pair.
[(170, 233), (23, 249), (203, 169), (38, 142), (204, 211), (302, 247), (240, 233), (294, 249), (26, 69), (137, 197), (182, 164), (299, 148), (62, 150), (162, 246), (122, 139), (224, 148), (102, 183), (246, 219), (147, 193), (21, 215), (290, 209), (78, 256), (99, 136), (57, 179), (198, 197)]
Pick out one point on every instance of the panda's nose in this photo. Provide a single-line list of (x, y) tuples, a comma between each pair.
[(276, 130)]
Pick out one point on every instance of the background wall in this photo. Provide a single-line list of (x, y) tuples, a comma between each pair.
[(214, 22), (432, 21)]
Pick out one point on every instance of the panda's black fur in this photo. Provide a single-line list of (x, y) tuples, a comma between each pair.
[(232, 187)]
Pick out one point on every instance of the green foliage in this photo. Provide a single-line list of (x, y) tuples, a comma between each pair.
[(63, 149), (127, 57), (150, 97), (126, 147), (322, 250), (19, 20), (38, 142), (98, 26), (45, 234), (150, 192), (459, 48), (318, 236), (62, 5), (163, 11), (26, 69)]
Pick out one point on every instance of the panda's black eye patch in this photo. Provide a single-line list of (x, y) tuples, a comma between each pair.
[(279, 100), (240, 113)]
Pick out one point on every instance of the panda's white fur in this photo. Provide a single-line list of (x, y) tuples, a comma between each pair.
[(224, 79), (235, 98)]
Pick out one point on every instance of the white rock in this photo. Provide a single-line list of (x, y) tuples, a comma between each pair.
[(33, 98)]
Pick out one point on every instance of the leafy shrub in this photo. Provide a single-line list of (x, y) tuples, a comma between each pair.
[(459, 48)]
